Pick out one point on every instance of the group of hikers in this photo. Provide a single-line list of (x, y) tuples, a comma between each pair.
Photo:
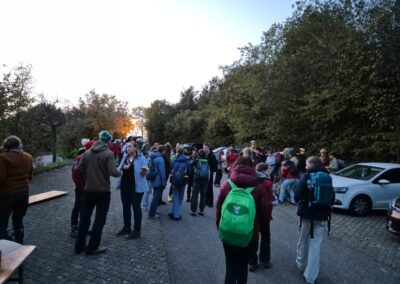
[(256, 182)]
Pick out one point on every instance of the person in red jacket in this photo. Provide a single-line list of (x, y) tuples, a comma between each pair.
[(231, 158), (243, 176), (265, 245), (79, 182)]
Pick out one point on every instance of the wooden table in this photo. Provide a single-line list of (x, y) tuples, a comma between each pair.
[(13, 257)]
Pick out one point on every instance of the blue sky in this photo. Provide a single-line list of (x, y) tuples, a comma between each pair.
[(139, 51)]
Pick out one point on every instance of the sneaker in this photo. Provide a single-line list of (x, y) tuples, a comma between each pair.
[(292, 202), (201, 213), (188, 200), (216, 185), (74, 232), (177, 218), (253, 267), (193, 214), (97, 251), (169, 198), (162, 203), (124, 231), (133, 235), (170, 215), (156, 216)]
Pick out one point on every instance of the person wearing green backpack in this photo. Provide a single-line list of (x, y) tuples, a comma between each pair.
[(240, 210)]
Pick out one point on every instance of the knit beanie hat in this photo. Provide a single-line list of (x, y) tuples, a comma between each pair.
[(105, 136)]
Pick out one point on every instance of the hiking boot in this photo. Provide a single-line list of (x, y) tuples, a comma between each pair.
[(188, 199), (177, 218), (162, 202), (201, 213), (99, 250), (193, 214), (74, 232), (253, 267), (133, 235), (170, 215), (124, 231)]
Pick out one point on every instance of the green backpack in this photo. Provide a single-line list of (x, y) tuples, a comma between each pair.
[(237, 217)]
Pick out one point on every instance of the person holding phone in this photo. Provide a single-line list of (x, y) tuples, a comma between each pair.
[(133, 185)]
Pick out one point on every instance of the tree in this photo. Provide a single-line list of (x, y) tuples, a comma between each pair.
[(48, 113)]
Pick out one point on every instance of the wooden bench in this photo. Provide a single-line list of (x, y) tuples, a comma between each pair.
[(13, 257), (37, 198)]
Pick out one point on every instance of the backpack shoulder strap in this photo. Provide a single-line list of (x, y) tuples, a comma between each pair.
[(231, 183)]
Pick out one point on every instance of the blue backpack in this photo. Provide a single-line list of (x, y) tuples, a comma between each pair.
[(202, 170), (178, 174), (321, 189)]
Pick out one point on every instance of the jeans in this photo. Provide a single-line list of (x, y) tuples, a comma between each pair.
[(133, 199), (198, 188), (146, 197), (177, 198), (308, 250), (236, 260), (210, 190), (288, 184), (76, 211), (157, 191), (90, 200), (15, 206), (218, 177)]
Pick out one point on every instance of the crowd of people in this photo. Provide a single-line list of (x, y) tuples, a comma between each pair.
[(257, 181)]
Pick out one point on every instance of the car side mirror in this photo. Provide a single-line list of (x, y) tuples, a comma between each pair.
[(383, 181)]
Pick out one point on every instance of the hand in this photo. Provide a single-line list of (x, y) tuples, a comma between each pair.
[(126, 167), (143, 171)]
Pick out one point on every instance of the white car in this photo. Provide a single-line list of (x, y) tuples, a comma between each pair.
[(365, 186)]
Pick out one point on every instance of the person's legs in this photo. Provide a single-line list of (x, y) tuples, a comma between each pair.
[(265, 245), (137, 211), (126, 207), (19, 211), (230, 264), (145, 200), (157, 191), (76, 210), (195, 197), (189, 189), (177, 197), (291, 187), (253, 256), (312, 269), (102, 201), (243, 260), (218, 177), (88, 204), (210, 191), (284, 187), (6, 206), (203, 192), (303, 244)]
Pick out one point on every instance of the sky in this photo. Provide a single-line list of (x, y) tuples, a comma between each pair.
[(139, 51)]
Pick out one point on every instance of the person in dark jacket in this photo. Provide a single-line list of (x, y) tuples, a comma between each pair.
[(97, 165), (213, 164), (313, 223), (16, 168), (243, 176)]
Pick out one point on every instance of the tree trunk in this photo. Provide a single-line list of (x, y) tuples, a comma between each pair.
[(54, 147)]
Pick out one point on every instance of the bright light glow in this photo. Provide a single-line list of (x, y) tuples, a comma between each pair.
[(139, 51)]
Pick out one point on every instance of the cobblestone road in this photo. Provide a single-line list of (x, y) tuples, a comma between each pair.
[(127, 261), (360, 250)]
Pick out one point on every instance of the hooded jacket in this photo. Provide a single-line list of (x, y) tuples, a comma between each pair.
[(15, 172), (269, 196), (243, 177), (98, 164), (159, 167), (314, 212)]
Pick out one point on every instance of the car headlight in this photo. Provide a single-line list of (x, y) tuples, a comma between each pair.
[(341, 189)]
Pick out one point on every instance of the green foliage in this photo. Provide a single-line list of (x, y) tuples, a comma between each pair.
[(328, 77)]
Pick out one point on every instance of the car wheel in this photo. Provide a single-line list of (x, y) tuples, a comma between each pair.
[(360, 206)]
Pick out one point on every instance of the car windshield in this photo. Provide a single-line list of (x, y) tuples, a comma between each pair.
[(361, 172)]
